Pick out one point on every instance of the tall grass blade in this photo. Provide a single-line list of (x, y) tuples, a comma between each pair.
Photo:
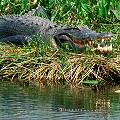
[(24, 3)]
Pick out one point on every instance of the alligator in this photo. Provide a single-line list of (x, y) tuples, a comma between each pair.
[(22, 29), (60, 109)]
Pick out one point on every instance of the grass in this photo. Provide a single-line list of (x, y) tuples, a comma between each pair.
[(42, 65), (29, 66)]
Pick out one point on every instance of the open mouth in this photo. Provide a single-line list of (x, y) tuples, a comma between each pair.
[(104, 45)]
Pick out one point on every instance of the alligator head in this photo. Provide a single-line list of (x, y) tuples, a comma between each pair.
[(82, 37)]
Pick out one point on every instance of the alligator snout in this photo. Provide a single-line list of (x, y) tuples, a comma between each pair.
[(97, 41), (106, 35)]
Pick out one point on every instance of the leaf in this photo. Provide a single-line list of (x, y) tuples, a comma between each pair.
[(116, 13), (91, 82), (24, 3), (54, 16), (117, 91)]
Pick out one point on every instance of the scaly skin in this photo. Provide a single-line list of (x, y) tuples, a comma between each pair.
[(22, 29)]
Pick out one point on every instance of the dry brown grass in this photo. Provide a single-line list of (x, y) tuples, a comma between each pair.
[(71, 68)]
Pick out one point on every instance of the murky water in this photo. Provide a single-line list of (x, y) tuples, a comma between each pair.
[(32, 103)]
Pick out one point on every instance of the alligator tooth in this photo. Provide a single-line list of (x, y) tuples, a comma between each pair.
[(111, 39), (110, 48), (87, 45), (98, 45), (90, 42), (102, 40), (105, 49)]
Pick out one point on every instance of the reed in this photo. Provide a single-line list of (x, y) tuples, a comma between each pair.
[(90, 12), (50, 68)]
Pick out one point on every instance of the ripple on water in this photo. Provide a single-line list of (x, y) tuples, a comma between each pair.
[(17, 102)]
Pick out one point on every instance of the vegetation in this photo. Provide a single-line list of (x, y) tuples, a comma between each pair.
[(41, 64)]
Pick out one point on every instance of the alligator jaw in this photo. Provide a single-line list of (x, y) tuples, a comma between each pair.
[(105, 49), (85, 37), (94, 45)]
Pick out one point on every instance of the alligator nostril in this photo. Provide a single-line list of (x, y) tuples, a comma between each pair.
[(107, 34)]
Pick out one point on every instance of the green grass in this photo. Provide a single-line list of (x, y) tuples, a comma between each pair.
[(78, 11), (84, 11)]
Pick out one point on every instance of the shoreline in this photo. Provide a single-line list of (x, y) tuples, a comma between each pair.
[(28, 65)]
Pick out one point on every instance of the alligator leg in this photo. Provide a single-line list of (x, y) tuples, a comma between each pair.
[(16, 39), (24, 39), (54, 44)]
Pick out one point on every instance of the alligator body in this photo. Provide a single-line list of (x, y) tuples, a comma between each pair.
[(22, 29)]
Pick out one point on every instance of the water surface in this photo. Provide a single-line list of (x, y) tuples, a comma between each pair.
[(45, 103)]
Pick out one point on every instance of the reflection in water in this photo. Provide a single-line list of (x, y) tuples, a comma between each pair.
[(17, 102)]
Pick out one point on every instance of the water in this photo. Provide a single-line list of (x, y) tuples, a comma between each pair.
[(32, 103)]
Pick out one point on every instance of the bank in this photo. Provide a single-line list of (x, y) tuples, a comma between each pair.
[(45, 66)]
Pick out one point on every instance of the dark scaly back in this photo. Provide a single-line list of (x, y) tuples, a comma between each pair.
[(23, 25)]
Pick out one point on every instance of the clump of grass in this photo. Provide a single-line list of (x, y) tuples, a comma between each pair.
[(90, 12), (74, 69), (16, 6)]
